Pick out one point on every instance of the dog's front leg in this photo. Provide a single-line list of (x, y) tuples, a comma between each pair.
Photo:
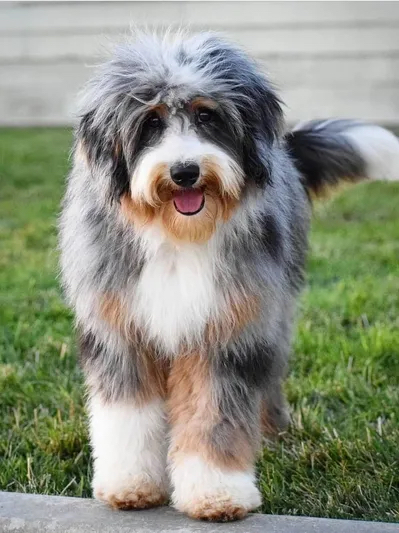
[(127, 426), (214, 412)]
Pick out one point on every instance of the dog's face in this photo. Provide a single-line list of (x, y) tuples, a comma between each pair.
[(183, 129), (187, 175)]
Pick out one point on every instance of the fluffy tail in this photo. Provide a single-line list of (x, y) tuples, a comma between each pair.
[(328, 152)]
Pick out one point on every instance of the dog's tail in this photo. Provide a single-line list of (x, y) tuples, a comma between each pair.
[(330, 152)]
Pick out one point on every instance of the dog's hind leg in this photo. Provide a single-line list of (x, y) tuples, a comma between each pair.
[(275, 412)]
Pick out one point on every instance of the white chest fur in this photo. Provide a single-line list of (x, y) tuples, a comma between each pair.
[(176, 295)]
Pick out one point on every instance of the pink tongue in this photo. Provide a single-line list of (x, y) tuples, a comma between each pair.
[(188, 201)]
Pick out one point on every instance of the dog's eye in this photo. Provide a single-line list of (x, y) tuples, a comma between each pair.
[(204, 115), (154, 121)]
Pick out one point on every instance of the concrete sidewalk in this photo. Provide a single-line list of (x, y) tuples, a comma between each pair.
[(40, 514)]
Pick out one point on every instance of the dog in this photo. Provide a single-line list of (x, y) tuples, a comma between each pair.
[(183, 237)]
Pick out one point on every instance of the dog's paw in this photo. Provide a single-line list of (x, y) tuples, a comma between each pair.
[(134, 493), (221, 507), (207, 493)]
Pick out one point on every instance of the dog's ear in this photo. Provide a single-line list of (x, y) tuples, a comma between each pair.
[(104, 152), (264, 127), (256, 164)]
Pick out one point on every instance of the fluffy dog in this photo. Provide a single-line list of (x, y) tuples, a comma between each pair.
[(183, 238)]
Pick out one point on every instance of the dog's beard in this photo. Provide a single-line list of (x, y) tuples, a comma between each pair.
[(159, 205)]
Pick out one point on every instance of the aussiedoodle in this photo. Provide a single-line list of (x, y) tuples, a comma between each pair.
[(183, 236)]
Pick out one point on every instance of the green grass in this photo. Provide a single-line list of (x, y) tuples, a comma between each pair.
[(339, 458)]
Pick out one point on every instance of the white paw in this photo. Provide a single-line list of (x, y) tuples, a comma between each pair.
[(135, 492), (129, 450), (208, 493)]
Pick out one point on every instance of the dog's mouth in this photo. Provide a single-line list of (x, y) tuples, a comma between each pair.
[(189, 201)]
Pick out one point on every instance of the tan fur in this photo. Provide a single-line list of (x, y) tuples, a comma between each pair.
[(197, 228), (149, 495), (153, 374), (161, 109), (137, 213), (243, 309), (143, 211), (217, 511), (200, 101), (158, 206), (193, 417), (153, 370), (113, 312)]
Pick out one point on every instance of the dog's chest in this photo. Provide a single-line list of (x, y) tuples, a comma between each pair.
[(176, 296)]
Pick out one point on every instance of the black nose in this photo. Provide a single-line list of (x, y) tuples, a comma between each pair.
[(185, 174)]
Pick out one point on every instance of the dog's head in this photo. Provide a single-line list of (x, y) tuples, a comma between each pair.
[(179, 129)]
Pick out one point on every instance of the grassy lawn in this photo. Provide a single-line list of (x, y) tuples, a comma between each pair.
[(340, 457)]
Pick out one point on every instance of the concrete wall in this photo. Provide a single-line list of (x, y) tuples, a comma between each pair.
[(328, 58)]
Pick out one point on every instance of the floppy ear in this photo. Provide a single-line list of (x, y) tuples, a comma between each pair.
[(257, 166), (264, 127), (105, 153)]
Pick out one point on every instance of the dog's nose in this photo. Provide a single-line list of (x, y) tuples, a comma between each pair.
[(185, 174)]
